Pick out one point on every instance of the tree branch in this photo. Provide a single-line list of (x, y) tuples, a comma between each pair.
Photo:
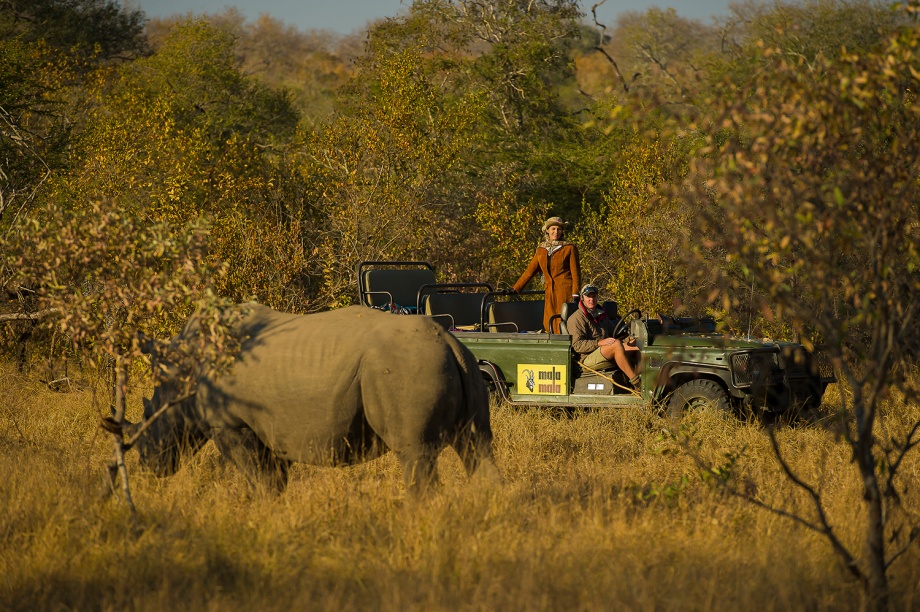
[(822, 527), (909, 443), (601, 29), (914, 536), (111, 425), (826, 530), (28, 316)]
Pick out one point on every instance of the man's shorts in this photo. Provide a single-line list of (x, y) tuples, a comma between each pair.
[(597, 361)]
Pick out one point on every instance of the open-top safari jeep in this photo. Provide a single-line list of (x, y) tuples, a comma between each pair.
[(684, 362)]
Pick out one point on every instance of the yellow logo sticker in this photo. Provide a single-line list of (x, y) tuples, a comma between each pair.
[(542, 379)]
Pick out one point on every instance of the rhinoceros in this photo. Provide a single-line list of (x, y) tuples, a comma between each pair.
[(331, 388)]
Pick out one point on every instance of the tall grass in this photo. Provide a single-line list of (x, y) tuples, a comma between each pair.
[(600, 509)]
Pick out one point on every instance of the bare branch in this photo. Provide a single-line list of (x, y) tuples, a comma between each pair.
[(28, 316), (909, 443), (913, 537), (600, 46), (111, 425), (822, 527), (826, 530)]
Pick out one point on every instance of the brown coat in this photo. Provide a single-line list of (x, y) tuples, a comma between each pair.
[(562, 275)]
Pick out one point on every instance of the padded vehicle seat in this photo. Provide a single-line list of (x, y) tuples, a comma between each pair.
[(464, 309), (385, 286), (569, 308), (516, 316)]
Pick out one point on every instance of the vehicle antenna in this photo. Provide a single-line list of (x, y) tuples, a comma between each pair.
[(750, 310)]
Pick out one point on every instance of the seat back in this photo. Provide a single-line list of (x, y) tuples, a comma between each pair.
[(383, 286), (568, 309), (516, 316), (610, 307), (464, 309)]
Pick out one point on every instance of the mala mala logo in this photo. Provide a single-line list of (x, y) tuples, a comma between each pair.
[(542, 379), (528, 380), (549, 382)]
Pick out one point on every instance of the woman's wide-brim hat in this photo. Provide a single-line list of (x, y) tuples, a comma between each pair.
[(554, 221)]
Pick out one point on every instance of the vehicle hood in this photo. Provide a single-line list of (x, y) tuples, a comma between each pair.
[(719, 341)]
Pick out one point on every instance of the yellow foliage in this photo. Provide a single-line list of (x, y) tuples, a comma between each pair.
[(630, 242)]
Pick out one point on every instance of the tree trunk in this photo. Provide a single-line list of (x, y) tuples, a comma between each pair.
[(117, 467), (875, 526)]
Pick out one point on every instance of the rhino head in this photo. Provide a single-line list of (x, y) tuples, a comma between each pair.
[(159, 445)]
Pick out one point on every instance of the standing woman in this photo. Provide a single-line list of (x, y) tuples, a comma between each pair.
[(558, 260)]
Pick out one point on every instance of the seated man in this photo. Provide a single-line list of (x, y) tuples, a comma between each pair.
[(592, 337)]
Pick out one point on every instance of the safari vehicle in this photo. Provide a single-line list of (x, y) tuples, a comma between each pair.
[(685, 362)]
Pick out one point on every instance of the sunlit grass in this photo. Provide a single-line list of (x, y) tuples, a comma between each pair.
[(600, 509)]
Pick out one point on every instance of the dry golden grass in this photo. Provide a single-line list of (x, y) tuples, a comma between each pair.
[(600, 509)]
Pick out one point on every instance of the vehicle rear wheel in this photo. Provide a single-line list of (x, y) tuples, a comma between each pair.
[(697, 394)]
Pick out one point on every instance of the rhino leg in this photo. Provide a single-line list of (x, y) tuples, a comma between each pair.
[(420, 467), (259, 464)]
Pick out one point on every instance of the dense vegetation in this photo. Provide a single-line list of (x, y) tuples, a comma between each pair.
[(448, 137), (762, 169)]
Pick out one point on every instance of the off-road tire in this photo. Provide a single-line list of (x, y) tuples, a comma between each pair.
[(695, 394)]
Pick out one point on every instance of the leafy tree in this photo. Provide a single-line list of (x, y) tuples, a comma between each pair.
[(629, 245), (812, 28), (516, 51), (380, 174), (510, 227), (33, 136), (809, 30), (205, 140), (808, 189), (48, 50), (659, 53), (505, 65), (94, 30), (116, 282), (310, 65)]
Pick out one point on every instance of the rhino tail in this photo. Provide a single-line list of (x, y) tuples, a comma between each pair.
[(474, 440), (475, 394)]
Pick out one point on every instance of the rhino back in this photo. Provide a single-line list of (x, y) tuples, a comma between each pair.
[(303, 383)]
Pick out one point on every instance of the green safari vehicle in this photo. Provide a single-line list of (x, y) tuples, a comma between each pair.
[(684, 362)]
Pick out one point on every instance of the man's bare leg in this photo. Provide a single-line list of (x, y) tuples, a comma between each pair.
[(616, 353)]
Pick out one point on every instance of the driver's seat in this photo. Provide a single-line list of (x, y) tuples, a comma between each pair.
[(610, 307), (567, 309)]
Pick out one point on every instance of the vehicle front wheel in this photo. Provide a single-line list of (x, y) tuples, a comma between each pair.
[(697, 394)]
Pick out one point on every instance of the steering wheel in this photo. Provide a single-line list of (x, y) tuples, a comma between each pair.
[(622, 325)]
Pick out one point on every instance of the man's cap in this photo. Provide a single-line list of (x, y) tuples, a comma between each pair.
[(589, 288)]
